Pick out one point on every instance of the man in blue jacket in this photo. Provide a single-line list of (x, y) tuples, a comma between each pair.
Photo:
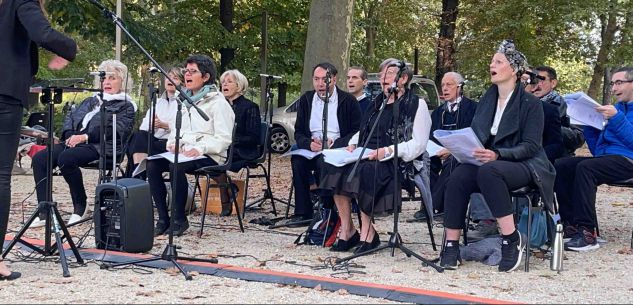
[(577, 178)]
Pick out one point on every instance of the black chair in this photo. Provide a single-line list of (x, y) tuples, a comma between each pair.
[(411, 196), (210, 172), (262, 147), (37, 118)]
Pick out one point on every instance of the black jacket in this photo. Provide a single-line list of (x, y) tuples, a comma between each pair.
[(466, 112), (348, 115), (23, 27), (519, 137), (552, 136), (124, 123), (248, 127)]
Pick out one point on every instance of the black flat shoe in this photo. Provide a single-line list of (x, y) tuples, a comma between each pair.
[(365, 246), (161, 227), (179, 228), (14, 275), (344, 245)]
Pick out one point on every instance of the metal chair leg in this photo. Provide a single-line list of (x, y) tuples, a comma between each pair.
[(204, 207), (234, 199)]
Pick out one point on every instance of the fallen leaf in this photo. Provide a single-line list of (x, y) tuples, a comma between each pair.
[(394, 270), (318, 287), (473, 276), (261, 264), (60, 281), (342, 292), (626, 250), (194, 273), (172, 271), (212, 255), (617, 204), (161, 237)]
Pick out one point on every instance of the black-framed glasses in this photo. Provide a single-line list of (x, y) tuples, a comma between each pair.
[(619, 82)]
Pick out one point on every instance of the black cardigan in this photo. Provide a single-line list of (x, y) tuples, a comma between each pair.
[(348, 115), (519, 136), (23, 27), (248, 128)]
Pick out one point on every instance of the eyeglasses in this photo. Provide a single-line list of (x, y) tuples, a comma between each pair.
[(619, 82), (190, 71)]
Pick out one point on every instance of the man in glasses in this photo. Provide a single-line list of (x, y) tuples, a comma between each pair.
[(457, 112), (544, 89), (577, 178)]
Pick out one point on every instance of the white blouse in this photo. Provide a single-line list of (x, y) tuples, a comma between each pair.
[(166, 112)]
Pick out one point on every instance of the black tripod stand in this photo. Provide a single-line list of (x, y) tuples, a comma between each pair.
[(268, 118), (395, 241), (49, 207), (169, 253)]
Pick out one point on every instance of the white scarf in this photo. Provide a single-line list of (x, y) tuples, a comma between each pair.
[(106, 97)]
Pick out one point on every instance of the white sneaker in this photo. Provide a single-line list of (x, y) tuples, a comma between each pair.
[(75, 218), (37, 223)]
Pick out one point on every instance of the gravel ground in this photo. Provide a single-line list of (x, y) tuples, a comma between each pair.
[(588, 277)]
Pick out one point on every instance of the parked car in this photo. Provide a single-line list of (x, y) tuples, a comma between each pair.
[(283, 130)]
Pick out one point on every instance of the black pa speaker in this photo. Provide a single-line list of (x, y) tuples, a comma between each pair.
[(124, 216)]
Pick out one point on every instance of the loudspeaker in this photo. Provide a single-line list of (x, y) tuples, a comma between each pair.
[(124, 216)]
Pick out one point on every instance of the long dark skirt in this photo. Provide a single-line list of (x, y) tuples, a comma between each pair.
[(372, 185)]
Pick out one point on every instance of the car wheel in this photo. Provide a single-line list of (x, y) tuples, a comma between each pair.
[(279, 140)]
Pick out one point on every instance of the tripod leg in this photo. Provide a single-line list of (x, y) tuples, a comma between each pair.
[(18, 237), (269, 190), (183, 271), (58, 239), (60, 224), (292, 188)]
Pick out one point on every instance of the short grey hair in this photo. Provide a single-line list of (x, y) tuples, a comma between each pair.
[(628, 72), (393, 62), (120, 71), (458, 77), (240, 80)]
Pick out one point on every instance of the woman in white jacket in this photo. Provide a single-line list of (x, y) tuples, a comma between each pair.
[(198, 138)]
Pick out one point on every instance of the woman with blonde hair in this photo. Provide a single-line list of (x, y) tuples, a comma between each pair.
[(81, 137)]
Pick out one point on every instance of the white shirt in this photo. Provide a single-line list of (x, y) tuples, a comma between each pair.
[(316, 118), (498, 115), (455, 102), (166, 112)]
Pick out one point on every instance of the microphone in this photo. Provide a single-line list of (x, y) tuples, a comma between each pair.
[(271, 76), (101, 73), (152, 70)]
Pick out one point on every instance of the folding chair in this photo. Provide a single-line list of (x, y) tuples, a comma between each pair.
[(213, 171), (628, 184)]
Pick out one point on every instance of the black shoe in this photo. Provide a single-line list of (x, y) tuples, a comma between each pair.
[(482, 230), (161, 227), (179, 228), (365, 246), (298, 221), (511, 253), (584, 240), (450, 258), (345, 245)]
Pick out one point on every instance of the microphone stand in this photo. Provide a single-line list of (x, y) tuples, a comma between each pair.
[(48, 206), (169, 253), (153, 92), (395, 241), (268, 118)]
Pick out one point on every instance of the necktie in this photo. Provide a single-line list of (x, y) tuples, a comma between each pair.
[(452, 107)]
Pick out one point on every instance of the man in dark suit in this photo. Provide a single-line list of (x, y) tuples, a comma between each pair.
[(456, 113), (23, 27), (343, 121)]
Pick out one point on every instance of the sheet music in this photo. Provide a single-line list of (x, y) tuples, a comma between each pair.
[(432, 148), (340, 157), (308, 154), (167, 155), (461, 143), (581, 109)]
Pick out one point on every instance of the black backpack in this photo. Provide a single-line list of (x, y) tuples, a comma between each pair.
[(322, 230)]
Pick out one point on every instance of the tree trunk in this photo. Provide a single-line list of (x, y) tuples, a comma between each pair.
[(329, 38), (370, 30), (445, 43), (226, 18), (609, 27)]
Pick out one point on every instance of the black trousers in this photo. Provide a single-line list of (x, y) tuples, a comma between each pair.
[(69, 161), (302, 169), (577, 180), (10, 121), (155, 169), (438, 187), (494, 180)]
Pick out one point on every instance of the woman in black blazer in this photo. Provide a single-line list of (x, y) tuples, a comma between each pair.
[(509, 124), (23, 27)]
